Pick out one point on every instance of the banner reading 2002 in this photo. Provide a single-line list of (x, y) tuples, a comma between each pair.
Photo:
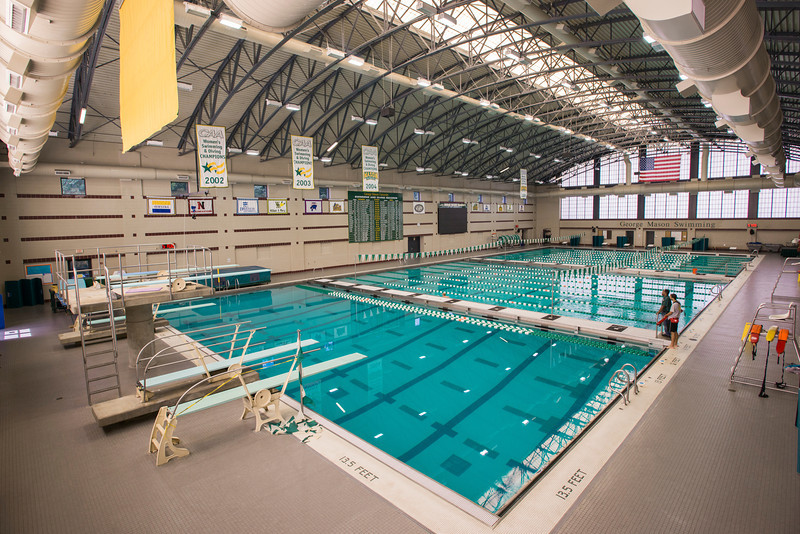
[(302, 162), (211, 153)]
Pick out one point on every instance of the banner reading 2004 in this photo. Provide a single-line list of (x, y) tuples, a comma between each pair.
[(302, 162), (211, 153)]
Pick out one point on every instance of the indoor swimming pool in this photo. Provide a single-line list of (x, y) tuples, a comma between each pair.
[(724, 264), (481, 407), (620, 299)]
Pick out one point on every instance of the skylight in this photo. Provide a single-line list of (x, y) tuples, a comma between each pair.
[(530, 61)]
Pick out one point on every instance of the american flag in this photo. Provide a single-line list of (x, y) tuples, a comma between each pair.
[(660, 168)]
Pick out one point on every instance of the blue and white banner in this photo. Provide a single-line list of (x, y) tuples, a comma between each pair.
[(247, 206)]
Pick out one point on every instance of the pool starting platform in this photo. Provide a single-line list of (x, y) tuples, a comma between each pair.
[(561, 323)]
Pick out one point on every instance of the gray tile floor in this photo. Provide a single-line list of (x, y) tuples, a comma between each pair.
[(703, 459)]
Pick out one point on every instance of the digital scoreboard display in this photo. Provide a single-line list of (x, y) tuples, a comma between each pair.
[(452, 218)]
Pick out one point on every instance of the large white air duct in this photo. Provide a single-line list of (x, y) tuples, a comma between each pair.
[(273, 15), (719, 46), (41, 44)]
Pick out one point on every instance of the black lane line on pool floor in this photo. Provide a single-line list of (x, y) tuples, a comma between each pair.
[(470, 409)]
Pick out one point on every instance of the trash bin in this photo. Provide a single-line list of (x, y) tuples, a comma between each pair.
[(13, 294), (621, 241), (26, 285), (597, 241)]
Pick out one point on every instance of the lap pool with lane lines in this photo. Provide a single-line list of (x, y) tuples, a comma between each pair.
[(479, 406), (620, 299), (724, 264)]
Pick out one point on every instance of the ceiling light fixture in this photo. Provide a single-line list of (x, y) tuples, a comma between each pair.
[(447, 19), (484, 102), (423, 82), (355, 60), (194, 9), (292, 107), (334, 145), (82, 118), (183, 86), (371, 122), (356, 118), (326, 159), (252, 152), (154, 142), (230, 22), (419, 131), (335, 53)]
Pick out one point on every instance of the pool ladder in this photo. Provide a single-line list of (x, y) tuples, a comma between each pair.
[(622, 380)]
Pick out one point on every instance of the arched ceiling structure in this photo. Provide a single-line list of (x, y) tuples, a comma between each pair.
[(467, 88)]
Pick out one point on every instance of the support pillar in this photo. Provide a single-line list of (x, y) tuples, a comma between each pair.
[(140, 331)]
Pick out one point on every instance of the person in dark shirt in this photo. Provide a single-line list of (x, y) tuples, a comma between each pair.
[(666, 304)]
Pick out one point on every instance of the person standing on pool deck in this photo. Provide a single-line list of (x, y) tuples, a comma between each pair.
[(672, 321), (666, 303)]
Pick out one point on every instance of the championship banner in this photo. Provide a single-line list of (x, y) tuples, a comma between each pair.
[(211, 153), (523, 183), (369, 167), (302, 162)]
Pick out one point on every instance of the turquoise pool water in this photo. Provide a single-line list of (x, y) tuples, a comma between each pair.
[(727, 264), (612, 298), (478, 406)]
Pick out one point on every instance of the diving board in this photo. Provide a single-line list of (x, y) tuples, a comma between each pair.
[(223, 364), (274, 381)]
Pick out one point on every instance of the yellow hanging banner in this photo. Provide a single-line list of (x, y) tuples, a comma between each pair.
[(148, 83)]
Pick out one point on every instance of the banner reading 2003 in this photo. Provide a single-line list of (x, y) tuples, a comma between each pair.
[(211, 153), (302, 162)]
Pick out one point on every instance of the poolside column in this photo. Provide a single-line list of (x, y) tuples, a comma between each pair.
[(140, 331)]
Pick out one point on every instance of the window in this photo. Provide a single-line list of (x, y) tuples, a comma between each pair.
[(793, 163), (666, 206), (579, 175), (260, 191), (779, 203), (480, 199), (577, 208), (324, 193), (722, 204), (504, 200), (451, 197), (179, 189), (728, 160), (418, 196), (618, 207), (73, 186)]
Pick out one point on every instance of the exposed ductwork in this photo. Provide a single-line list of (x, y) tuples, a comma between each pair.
[(273, 15), (719, 46), (41, 44)]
